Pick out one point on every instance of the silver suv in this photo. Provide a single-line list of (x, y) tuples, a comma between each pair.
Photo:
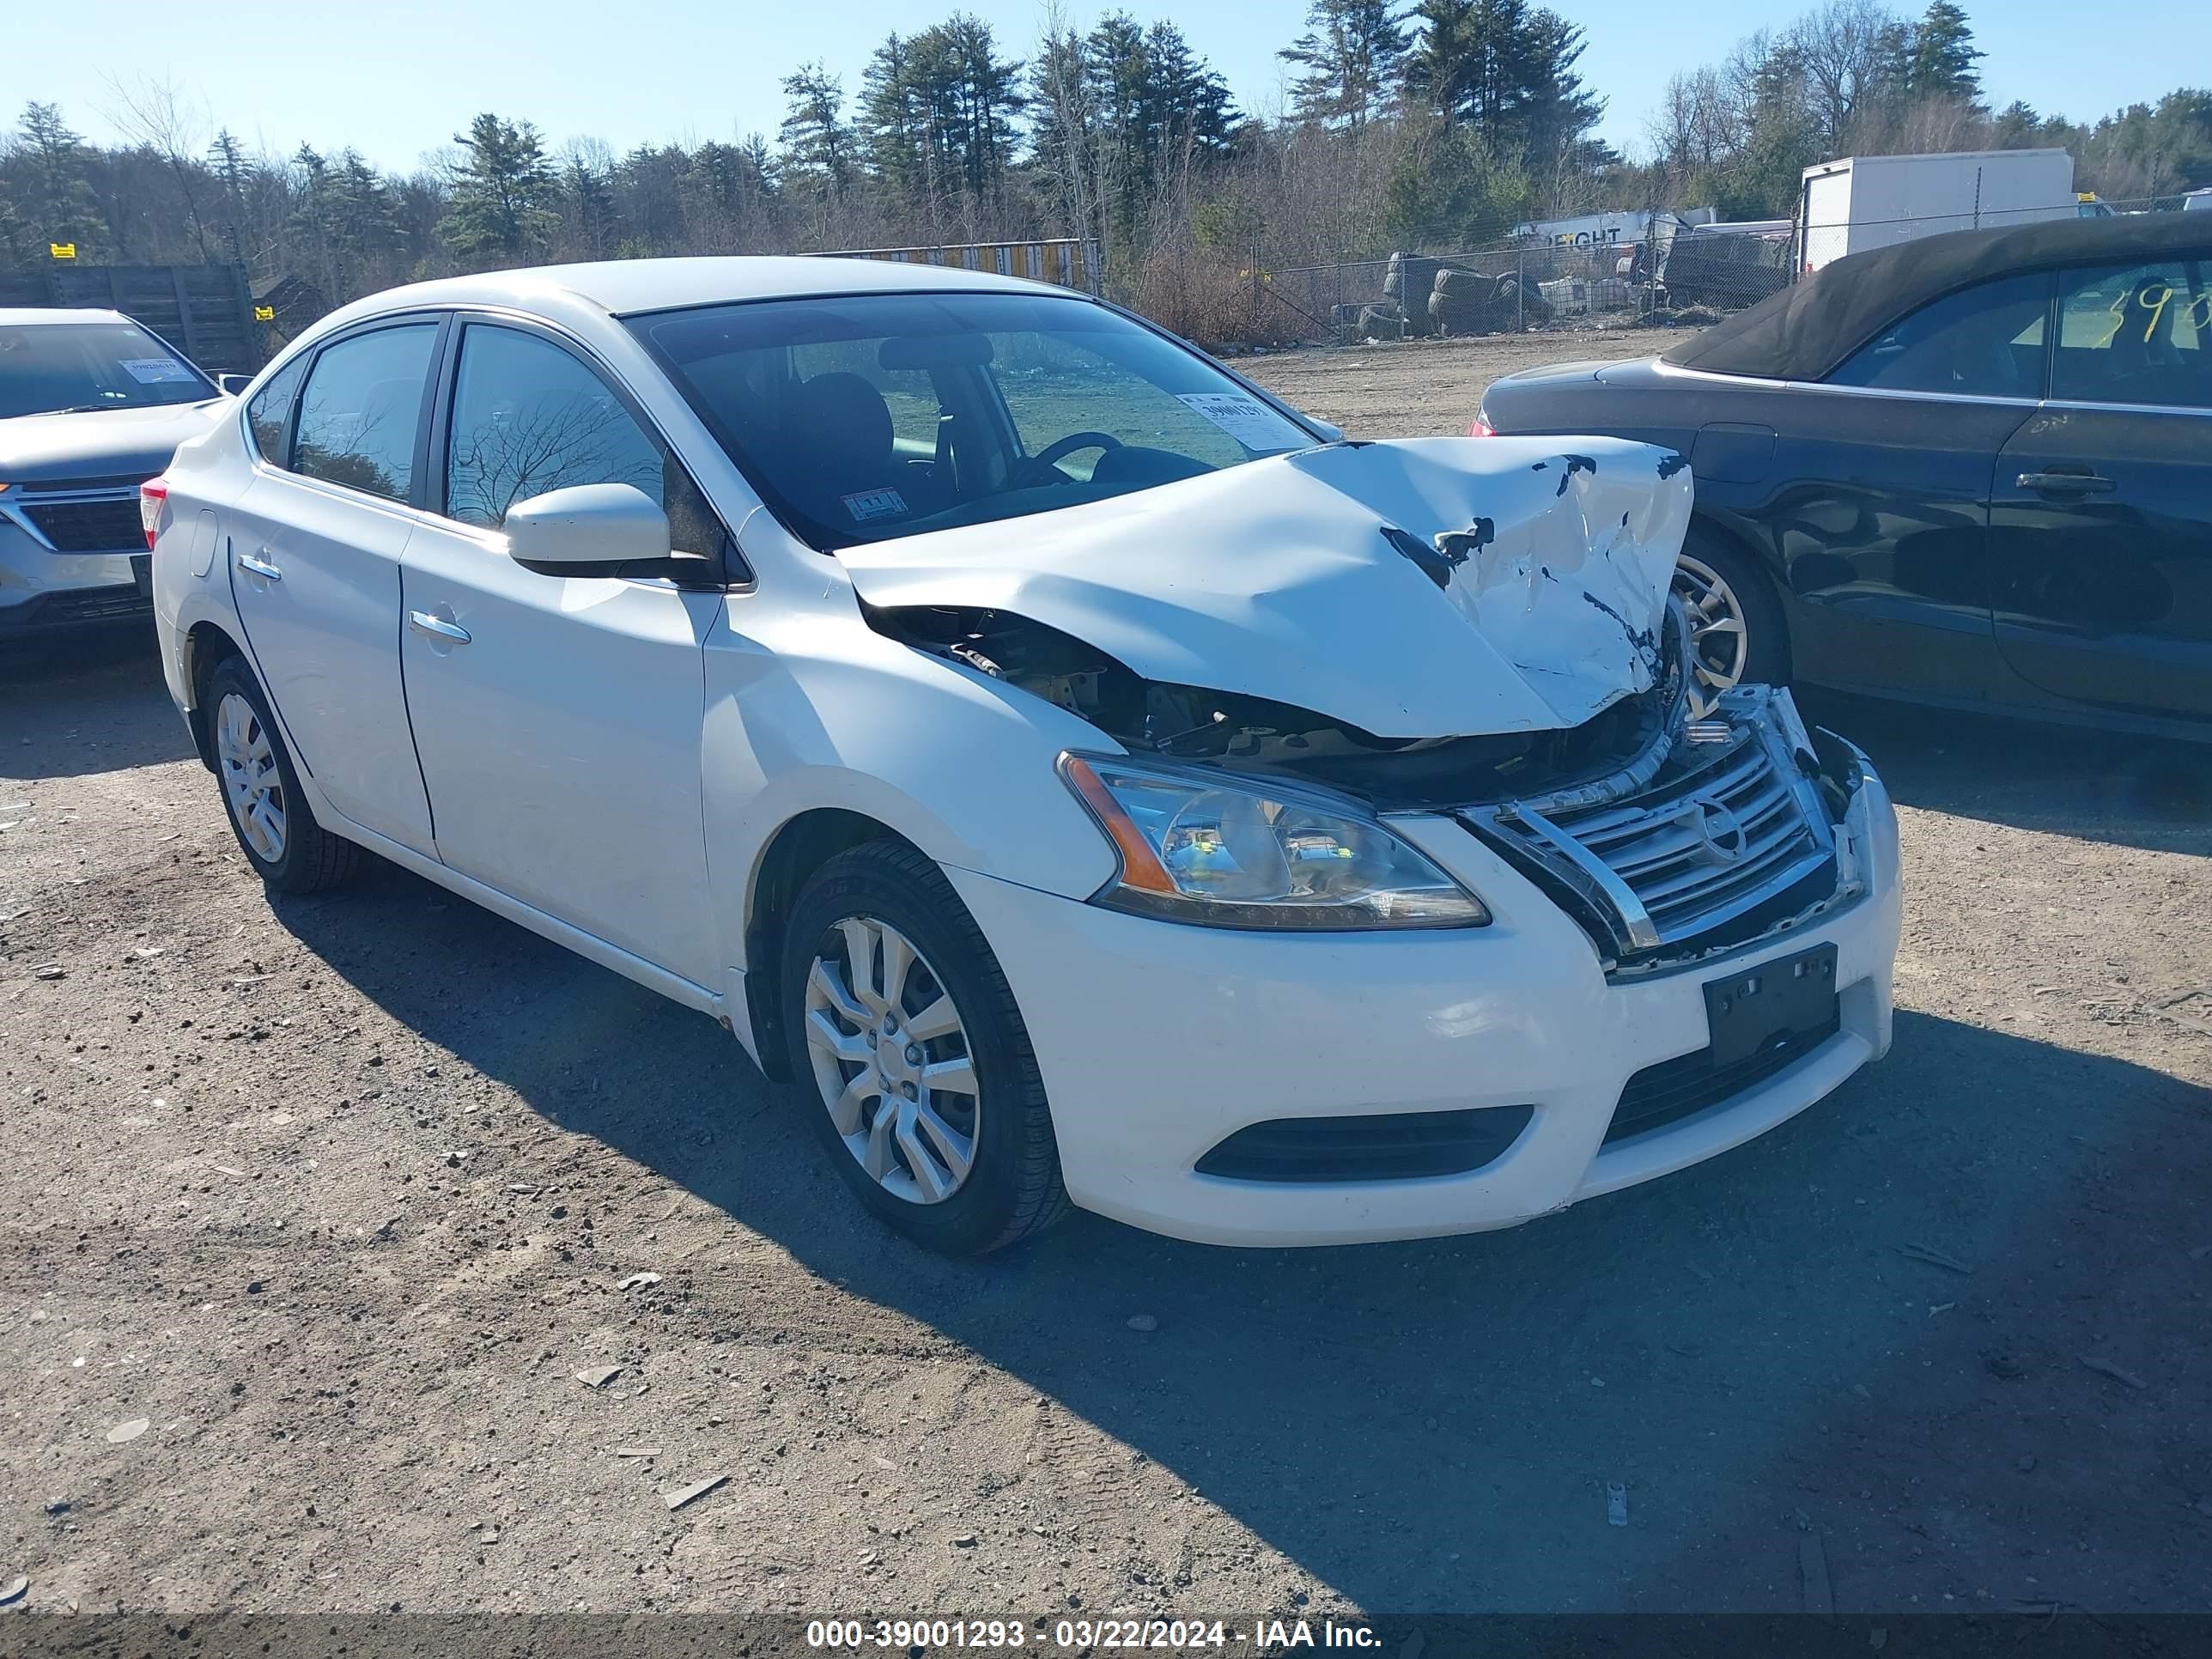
[(91, 405)]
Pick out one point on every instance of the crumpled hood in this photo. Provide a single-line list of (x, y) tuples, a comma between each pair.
[(1427, 588), (105, 443)]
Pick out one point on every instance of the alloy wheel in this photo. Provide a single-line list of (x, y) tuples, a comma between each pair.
[(1719, 645), (250, 780), (891, 1060)]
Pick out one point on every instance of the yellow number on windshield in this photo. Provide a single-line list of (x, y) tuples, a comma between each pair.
[(2165, 292)]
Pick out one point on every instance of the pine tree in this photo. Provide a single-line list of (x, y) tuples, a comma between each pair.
[(894, 124), (1943, 55), (504, 193), (1506, 69), (365, 221), (1186, 102), (1351, 52), (589, 212), (61, 205), (817, 146), (226, 157), (315, 223)]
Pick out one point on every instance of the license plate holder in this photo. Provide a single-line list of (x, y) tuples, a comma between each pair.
[(1758, 1005), (142, 572)]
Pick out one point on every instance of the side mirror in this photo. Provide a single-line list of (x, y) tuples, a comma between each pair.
[(235, 384), (588, 530), (1329, 430)]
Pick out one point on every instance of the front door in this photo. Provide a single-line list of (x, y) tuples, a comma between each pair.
[(1880, 521), (2101, 522), (558, 718), (314, 549)]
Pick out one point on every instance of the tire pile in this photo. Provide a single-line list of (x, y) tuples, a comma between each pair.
[(1423, 296)]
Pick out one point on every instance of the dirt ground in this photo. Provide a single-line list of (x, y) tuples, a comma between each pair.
[(1417, 387), (314, 1208)]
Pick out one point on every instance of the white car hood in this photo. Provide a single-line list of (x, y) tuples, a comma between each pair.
[(1428, 588), (100, 443)]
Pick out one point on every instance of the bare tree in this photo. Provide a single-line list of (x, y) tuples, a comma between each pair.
[(1852, 53), (1083, 167), (154, 114)]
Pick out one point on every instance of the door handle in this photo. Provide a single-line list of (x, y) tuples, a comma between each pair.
[(423, 622), (259, 567), (2081, 484)]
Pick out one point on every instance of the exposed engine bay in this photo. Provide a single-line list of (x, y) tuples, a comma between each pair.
[(1670, 840), (1246, 733)]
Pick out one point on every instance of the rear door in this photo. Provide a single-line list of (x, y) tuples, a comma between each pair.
[(559, 718), (2100, 523), (314, 547)]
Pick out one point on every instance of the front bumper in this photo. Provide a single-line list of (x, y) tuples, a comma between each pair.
[(44, 593), (1157, 1040)]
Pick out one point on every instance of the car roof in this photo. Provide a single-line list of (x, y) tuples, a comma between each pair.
[(627, 287), (20, 316), (1808, 328)]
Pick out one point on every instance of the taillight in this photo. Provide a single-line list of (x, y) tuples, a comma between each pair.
[(1481, 427), (153, 495)]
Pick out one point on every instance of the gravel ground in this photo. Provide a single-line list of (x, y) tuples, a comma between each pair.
[(313, 1209)]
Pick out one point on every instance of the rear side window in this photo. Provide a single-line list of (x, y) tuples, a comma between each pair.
[(270, 410), (361, 410), (1982, 342), (528, 417), (2136, 334)]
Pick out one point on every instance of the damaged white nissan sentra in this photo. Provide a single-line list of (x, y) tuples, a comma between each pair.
[(1087, 779)]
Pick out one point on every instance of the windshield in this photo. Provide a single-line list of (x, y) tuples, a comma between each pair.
[(48, 367), (866, 418)]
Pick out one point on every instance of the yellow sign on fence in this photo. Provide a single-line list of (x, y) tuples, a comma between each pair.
[(62, 250), (265, 314)]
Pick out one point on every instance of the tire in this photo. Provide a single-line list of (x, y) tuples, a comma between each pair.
[(1744, 592), (303, 856), (1010, 1188)]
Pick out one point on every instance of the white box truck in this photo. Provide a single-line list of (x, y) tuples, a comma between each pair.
[(1873, 201)]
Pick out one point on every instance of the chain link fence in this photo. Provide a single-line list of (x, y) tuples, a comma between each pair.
[(1678, 274)]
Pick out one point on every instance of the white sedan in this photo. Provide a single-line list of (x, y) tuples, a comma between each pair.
[(1086, 779)]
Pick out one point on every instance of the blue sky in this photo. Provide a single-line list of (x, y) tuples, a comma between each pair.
[(397, 77)]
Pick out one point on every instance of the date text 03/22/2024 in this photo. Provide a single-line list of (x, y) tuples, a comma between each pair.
[(1076, 1635)]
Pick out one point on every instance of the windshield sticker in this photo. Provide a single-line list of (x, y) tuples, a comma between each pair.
[(1248, 420), (867, 504), (150, 371)]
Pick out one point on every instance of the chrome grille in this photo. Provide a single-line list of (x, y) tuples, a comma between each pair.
[(81, 515), (89, 526), (1720, 829)]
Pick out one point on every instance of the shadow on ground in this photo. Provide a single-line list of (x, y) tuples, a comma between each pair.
[(1871, 1329), (2065, 780), (70, 708), (1764, 1349)]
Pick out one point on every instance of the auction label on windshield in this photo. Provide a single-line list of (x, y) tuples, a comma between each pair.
[(1088, 1635), (1246, 419), (148, 371)]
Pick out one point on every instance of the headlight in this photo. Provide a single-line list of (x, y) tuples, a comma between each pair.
[(1200, 847)]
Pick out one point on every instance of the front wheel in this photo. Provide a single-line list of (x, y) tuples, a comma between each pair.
[(1736, 630), (904, 1036)]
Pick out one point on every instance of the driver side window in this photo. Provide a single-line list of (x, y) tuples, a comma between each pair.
[(1982, 342), (529, 417)]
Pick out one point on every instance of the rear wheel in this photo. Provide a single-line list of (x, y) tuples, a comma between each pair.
[(1736, 631), (902, 1028), (276, 828)]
